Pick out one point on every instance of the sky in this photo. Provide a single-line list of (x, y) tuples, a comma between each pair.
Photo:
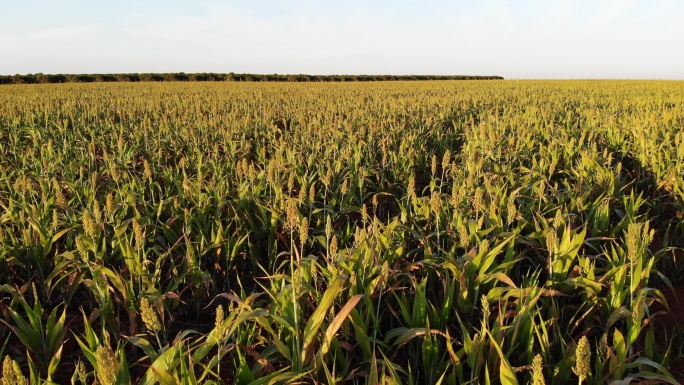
[(517, 39)]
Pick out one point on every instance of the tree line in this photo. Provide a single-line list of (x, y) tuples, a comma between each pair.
[(180, 76)]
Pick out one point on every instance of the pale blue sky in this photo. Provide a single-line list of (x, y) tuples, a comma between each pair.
[(514, 39)]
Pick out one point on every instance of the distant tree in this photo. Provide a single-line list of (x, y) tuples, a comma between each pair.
[(41, 78), (159, 77), (59, 78)]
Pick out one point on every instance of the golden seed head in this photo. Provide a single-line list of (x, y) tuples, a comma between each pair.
[(270, 172), (632, 241), (107, 366), (511, 209), (333, 247), (26, 236), (328, 227), (433, 166), (476, 342), (477, 199), (88, 224), (303, 193), (360, 235), (18, 184), (488, 183), (219, 326), (313, 270), (290, 182), (327, 178), (97, 211), (11, 373), (353, 280), (186, 182), (411, 189), (147, 172), (582, 359), (435, 202), (28, 185), (120, 143), (384, 275), (220, 316), (114, 172), (139, 234), (345, 187), (297, 279), (538, 371), (603, 346), (149, 316), (558, 220), (109, 204), (312, 193), (60, 200), (292, 214), (464, 237), (551, 239), (484, 246), (446, 159), (304, 230), (486, 311), (81, 372)]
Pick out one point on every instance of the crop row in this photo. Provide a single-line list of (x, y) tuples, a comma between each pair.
[(443, 232)]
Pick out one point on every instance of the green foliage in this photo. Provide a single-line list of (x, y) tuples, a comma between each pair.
[(396, 233)]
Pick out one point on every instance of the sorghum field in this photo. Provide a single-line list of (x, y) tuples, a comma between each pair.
[(352, 233)]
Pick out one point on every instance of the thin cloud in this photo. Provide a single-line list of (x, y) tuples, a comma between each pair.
[(522, 39)]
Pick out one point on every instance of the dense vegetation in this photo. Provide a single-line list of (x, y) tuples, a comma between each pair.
[(203, 77), (360, 233)]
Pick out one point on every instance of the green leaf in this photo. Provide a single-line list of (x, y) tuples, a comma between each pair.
[(54, 361), (337, 322), (283, 375), (318, 316), (506, 374)]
